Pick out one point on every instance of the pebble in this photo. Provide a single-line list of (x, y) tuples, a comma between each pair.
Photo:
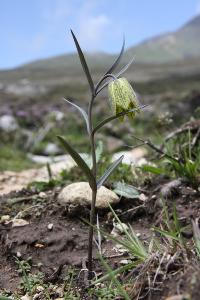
[(143, 197), (50, 226), (19, 254), (19, 222), (42, 195), (125, 261), (5, 218), (26, 297), (119, 228)]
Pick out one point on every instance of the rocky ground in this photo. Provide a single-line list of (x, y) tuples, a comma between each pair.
[(44, 236), (43, 232)]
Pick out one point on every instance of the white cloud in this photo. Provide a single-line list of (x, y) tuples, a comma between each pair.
[(92, 29), (89, 21)]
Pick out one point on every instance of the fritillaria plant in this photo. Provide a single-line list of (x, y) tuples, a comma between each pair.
[(124, 102)]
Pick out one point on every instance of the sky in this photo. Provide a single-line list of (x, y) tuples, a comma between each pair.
[(36, 29)]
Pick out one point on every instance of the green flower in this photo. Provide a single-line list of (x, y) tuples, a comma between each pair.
[(123, 97)]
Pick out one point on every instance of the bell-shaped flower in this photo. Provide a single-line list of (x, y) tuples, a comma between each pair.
[(123, 97)]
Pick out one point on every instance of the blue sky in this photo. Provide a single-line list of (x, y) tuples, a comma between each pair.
[(33, 29)]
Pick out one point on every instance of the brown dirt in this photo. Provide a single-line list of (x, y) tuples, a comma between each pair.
[(66, 244)]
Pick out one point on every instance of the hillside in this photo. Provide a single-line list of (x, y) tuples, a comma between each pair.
[(179, 50), (173, 46)]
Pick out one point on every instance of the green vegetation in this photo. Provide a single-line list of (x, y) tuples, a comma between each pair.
[(14, 159)]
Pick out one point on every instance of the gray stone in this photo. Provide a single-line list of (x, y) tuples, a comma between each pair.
[(19, 222), (171, 188), (8, 123), (80, 193), (51, 149), (134, 156)]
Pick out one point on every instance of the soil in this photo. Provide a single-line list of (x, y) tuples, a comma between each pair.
[(54, 250)]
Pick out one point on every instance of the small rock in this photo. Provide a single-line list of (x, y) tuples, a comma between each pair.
[(19, 222), (171, 188), (51, 149), (5, 218), (142, 197), (125, 261), (19, 254), (80, 193), (121, 227), (26, 297), (119, 249), (42, 195), (8, 123), (131, 157), (179, 297), (50, 226)]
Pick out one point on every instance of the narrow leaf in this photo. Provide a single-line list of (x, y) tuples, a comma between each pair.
[(166, 233), (83, 63), (4, 298), (80, 162), (116, 272), (113, 278), (125, 190), (117, 75), (109, 171), (125, 68), (152, 169), (117, 61), (84, 114), (114, 117)]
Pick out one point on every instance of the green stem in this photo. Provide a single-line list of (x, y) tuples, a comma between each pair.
[(94, 191), (90, 237), (101, 81)]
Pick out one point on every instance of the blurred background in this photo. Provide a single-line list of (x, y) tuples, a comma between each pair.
[(39, 66)]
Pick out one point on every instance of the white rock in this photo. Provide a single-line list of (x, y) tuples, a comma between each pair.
[(50, 226), (121, 227), (80, 193), (131, 157), (19, 222), (125, 261), (19, 254), (8, 123), (51, 149), (26, 297), (42, 195), (119, 248), (5, 218), (143, 197)]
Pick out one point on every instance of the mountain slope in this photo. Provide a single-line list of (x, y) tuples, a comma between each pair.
[(168, 54), (181, 44)]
